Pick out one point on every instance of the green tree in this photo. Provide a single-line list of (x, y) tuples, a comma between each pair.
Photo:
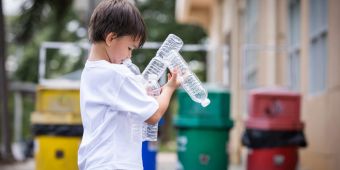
[(42, 20), (159, 16), (45, 20)]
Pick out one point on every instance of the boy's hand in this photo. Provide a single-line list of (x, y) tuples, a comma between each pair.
[(173, 80)]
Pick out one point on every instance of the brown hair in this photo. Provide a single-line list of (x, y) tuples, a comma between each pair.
[(117, 16)]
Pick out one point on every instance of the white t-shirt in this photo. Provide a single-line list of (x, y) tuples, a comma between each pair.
[(114, 105)]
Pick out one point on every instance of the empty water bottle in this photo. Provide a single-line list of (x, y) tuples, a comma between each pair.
[(189, 81), (157, 65), (131, 66), (175, 60), (136, 126), (152, 86), (153, 71), (193, 86), (172, 42), (153, 89), (150, 132)]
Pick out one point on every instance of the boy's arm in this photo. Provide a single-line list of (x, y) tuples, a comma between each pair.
[(164, 98)]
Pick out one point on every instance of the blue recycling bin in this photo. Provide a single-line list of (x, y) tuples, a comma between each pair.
[(149, 153)]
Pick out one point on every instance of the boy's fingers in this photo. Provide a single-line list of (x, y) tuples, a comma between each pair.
[(175, 69), (169, 76), (174, 75)]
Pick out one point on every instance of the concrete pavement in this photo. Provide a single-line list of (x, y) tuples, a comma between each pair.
[(165, 161)]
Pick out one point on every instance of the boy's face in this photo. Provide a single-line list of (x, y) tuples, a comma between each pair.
[(121, 48)]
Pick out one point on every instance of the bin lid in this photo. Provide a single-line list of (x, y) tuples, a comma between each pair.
[(197, 122), (66, 81), (211, 88)]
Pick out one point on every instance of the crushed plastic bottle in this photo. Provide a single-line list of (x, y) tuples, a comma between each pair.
[(150, 132), (189, 81)]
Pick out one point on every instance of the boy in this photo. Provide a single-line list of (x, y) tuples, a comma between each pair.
[(114, 104)]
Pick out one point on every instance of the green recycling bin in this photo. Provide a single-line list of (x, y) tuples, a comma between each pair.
[(203, 133)]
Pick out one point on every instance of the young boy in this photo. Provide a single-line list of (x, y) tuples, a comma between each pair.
[(114, 104)]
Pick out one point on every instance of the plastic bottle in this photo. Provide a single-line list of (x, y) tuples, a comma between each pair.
[(136, 126), (172, 42), (158, 65), (155, 67), (131, 66), (150, 132), (189, 81), (152, 86), (153, 71)]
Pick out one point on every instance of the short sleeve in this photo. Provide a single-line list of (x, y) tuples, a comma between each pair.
[(132, 97)]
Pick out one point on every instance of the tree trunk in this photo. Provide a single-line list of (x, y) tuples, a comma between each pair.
[(6, 152)]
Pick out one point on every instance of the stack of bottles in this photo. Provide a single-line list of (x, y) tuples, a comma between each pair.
[(167, 56), (153, 72)]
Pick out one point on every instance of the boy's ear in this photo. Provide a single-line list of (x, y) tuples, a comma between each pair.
[(109, 38)]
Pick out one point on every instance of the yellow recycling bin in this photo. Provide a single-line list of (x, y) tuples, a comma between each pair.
[(56, 152), (57, 106), (57, 128), (58, 100)]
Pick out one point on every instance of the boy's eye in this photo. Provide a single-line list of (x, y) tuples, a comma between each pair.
[(130, 48)]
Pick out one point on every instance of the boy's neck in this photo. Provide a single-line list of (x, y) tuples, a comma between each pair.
[(98, 52)]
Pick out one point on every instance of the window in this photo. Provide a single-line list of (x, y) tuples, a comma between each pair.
[(318, 27), (249, 54), (294, 19)]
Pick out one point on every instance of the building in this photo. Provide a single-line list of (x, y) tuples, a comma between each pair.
[(290, 43)]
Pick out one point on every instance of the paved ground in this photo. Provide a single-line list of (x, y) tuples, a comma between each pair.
[(168, 161), (27, 165), (165, 161)]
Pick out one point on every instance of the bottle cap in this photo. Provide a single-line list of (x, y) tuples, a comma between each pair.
[(205, 102), (174, 39)]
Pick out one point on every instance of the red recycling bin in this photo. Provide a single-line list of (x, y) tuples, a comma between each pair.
[(284, 158), (274, 110), (273, 114)]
